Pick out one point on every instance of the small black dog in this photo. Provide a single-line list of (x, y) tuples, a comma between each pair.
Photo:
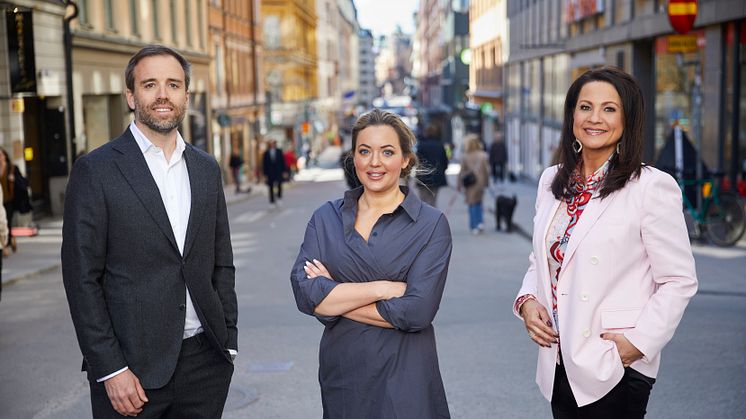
[(504, 207)]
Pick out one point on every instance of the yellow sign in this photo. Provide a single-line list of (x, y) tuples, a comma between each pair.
[(682, 43), (28, 153), (682, 9), (17, 105)]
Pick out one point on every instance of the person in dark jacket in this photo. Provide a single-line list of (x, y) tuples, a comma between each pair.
[(236, 163), (434, 161), (498, 158), (273, 166)]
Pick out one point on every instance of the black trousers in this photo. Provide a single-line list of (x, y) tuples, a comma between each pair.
[(272, 184), (627, 400), (197, 390)]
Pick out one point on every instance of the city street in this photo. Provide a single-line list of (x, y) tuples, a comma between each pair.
[(486, 359)]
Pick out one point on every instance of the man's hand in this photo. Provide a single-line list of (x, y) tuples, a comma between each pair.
[(126, 394), (538, 323), (627, 351)]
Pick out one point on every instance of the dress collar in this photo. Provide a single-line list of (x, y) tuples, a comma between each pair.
[(411, 203)]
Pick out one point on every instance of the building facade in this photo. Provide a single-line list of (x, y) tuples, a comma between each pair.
[(394, 64), (236, 82), (695, 81), (34, 111), (329, 101), (290, 68), (367, 90), (488, 32)]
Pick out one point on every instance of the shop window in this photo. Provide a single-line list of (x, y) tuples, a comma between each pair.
[(679, 77)]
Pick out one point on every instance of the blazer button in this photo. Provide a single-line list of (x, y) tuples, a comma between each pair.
[(586, 333), (584, 297), (594, 260), (182, 307)]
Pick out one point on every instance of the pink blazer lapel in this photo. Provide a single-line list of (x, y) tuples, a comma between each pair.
[(545, 216), (588, 219)]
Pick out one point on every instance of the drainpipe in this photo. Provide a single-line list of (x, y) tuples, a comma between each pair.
[(68, 43)]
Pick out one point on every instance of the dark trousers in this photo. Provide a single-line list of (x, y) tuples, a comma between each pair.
[(272, 184), (9, 210), (236, 173), (498, 171), (198, 388), (627, 400)]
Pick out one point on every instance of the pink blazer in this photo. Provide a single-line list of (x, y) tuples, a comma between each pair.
[(628, 268)]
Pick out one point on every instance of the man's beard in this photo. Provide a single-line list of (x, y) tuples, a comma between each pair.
[(148, 116)]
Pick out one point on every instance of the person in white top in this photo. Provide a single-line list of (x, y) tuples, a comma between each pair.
[(147, 260)]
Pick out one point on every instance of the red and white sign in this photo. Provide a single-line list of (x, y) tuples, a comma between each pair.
[(681, 14)]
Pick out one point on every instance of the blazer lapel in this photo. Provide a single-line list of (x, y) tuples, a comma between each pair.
[(199, 183), (590, 215), (135, 170), (540, 243)]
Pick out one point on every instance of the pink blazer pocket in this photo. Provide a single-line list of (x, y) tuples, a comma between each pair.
[(620, 318)]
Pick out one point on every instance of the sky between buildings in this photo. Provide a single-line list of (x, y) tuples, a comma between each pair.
[(382, 16)]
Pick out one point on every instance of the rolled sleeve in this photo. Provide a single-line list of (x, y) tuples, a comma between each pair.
[(416, 309), (309, 292)]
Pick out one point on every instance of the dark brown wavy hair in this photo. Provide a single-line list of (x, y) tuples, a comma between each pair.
[(406, 136), (624, 165)]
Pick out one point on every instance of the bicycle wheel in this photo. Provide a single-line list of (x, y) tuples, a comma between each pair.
[(725, 220)]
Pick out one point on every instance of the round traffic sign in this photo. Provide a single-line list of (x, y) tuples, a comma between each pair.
[(681, 14)]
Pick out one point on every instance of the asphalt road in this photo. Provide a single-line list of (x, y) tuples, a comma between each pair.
[(487, 362)]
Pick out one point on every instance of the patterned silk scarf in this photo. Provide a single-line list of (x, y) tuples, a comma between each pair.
[(574, 207)]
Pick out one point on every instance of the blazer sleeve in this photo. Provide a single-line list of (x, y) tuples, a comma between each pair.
[(666, 242), (426, 279), (224, 272), (84, 243), (309, 292), (530, 281)]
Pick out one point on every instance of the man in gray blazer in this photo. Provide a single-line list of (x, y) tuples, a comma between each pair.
[(147, 261)]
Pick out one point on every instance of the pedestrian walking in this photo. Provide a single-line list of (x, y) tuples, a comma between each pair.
[(611, 270), (372, 268), (4, 231), (273, 167), (291, 163), (235, 163), (147, 262), (15, 197), (432, 157), (473, 179), (498, 158)]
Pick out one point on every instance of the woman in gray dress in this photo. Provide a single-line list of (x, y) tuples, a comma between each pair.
[(372, 268)]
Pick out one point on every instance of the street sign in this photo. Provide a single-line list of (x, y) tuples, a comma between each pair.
[(682, 43), (681, 14)]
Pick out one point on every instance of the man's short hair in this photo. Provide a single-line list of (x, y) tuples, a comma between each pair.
[(152, 50)]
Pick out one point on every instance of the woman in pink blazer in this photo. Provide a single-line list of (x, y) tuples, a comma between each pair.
[(611, 270)]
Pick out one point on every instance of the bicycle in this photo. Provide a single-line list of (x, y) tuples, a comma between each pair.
[(722, 217)]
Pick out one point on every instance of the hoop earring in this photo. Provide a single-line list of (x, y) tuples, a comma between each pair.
[(577, 146), (618, 147)]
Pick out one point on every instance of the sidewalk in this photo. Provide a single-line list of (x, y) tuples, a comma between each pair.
[(40, 254)]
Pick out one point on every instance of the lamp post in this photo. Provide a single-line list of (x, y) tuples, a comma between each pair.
[(68, 44)]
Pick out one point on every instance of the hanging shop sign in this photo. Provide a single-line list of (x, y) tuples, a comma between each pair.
[(681, 14), (21, 51), (682, 43)]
